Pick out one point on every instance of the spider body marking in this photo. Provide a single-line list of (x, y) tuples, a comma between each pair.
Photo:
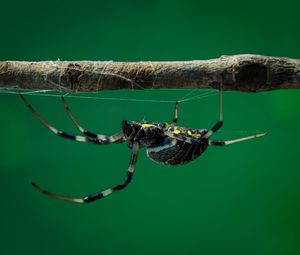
[(166, 144), (163, 149)]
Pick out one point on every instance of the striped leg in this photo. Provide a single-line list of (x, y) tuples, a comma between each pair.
[(222, 143), (175, 119), (106, 139), (82, 130), (219, 124), (104, 193)]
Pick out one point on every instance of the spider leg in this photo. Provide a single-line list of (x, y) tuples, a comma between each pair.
[(104, 193), (175, 119), (112, 139), (222, 143), (82, 130), (219, 123)]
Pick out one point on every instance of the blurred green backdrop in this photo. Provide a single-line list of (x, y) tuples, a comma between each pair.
[(242, 199)]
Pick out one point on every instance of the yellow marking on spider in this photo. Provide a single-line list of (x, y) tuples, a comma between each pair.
[(176, 131), (147, 125), (190, 134), (196, 135)]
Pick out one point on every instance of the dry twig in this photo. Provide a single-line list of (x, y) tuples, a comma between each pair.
[(245, 73)]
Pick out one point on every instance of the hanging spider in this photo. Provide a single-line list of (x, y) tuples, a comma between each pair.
[(166, 144)]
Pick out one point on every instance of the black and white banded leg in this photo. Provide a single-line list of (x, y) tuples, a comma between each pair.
[(104, 193), (175, 119), (84, 131), (106, 139), (219, 124), (222, 143)]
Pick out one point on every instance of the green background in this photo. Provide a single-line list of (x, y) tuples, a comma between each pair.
[(241, 199)]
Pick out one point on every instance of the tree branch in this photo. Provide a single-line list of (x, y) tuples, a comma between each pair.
[(245, 73)]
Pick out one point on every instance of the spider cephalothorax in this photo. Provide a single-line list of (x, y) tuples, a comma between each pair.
[(166, 144)]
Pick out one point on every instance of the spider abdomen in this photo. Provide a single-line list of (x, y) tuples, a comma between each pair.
[(175, 152)]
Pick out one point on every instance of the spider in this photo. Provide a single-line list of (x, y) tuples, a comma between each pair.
[(166, 144)]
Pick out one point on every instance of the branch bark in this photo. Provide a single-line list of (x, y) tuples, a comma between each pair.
[(245, 73)]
